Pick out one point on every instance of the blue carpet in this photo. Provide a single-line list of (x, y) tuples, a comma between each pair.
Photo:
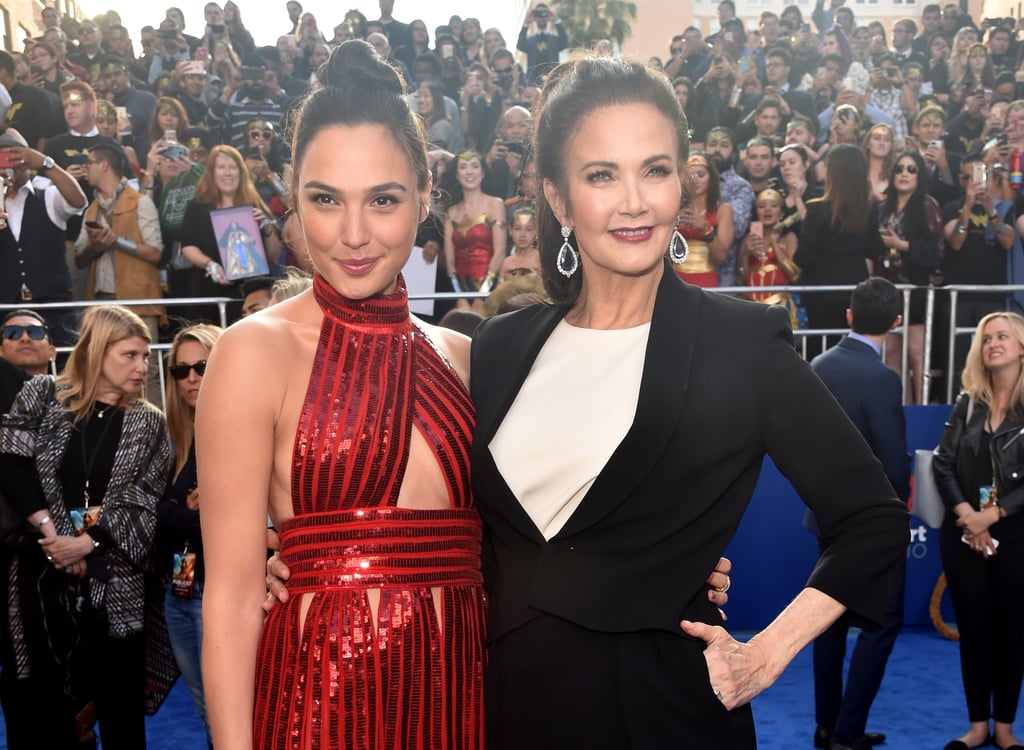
[(920, 706)]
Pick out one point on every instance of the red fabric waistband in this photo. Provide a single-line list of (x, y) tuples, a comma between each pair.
[(374, 547)]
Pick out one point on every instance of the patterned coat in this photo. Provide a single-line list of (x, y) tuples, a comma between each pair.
[(38, 427)]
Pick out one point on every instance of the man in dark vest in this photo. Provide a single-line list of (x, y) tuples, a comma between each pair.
[(33, 267)]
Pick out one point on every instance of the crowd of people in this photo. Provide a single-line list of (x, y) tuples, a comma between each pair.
[(295, 179)]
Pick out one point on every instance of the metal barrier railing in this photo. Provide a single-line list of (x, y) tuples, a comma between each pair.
[(801, 335)]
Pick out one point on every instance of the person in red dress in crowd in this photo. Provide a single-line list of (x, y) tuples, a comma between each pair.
[(708, 226)]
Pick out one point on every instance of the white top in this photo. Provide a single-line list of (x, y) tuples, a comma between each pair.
[(575, 407)]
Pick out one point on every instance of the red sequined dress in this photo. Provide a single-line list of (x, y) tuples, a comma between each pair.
[(474, 247), (406, 681)]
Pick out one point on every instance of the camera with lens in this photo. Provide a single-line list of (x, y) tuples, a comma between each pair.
[(540, 14), (505, 80)]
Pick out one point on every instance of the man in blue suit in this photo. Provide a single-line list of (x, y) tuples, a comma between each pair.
[(871, 395)]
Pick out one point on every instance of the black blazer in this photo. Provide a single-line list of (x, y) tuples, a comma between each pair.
[(722, 387)]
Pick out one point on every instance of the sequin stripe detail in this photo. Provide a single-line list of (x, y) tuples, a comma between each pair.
[(412, 685), (443, 412), (352, 444), (352, 441), (375, 552), (463, 649)]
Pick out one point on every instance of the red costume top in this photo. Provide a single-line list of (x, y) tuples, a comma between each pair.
[(473, 239), (766, 271), (697, 268), (342, 679)]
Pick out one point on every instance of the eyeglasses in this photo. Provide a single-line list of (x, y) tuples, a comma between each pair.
[(15, 332), (908, 168), (265, 135), (180, 371), (502, 71)]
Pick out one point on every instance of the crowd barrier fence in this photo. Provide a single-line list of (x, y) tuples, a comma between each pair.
[(803, 336)]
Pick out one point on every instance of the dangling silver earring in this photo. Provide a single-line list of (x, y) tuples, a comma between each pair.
[(568, 260), (678, 250)]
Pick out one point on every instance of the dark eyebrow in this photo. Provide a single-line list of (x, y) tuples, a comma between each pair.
[(382, 188), (613, 165)]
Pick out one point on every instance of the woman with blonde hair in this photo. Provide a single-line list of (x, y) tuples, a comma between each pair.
[(295, 282), (1015, 125), (179, 540), (226, 183), (976, 76), (976, 468), (877, 145), (963, 40), (86, 457), (766, 254), (107, 124)]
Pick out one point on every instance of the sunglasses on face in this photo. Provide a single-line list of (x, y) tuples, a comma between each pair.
[(180, 371), (264, 135), (908, 168), (15, 332)]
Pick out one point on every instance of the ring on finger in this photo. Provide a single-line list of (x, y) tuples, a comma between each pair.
[(50, 558), (718, 694), (723, 589)]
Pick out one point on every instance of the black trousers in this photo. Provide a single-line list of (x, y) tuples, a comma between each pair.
[(989, 608), (39, 716), (554, 685), (118, 671)]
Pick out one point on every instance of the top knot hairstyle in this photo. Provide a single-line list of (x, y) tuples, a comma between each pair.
[(573, 91), (356, 87)]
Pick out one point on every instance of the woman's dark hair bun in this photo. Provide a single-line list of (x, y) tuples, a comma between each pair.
[(356, 63)]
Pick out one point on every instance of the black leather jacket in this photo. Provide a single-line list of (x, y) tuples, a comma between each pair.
[(956, 458)]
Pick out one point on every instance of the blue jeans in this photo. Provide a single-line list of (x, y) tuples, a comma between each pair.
[(185, 627)]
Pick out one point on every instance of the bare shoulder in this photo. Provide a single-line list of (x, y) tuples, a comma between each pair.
[(495, 208), (454, 345), (259, 352)]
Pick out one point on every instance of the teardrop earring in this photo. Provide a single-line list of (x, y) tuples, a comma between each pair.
[(568, 260), (678, 250)]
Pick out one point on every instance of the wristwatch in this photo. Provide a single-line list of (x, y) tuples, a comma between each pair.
[(48, 163)]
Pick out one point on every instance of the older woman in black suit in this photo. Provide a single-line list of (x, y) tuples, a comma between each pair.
[(599, 521)]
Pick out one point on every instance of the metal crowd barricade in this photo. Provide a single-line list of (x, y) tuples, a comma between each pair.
[(802, 335)]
